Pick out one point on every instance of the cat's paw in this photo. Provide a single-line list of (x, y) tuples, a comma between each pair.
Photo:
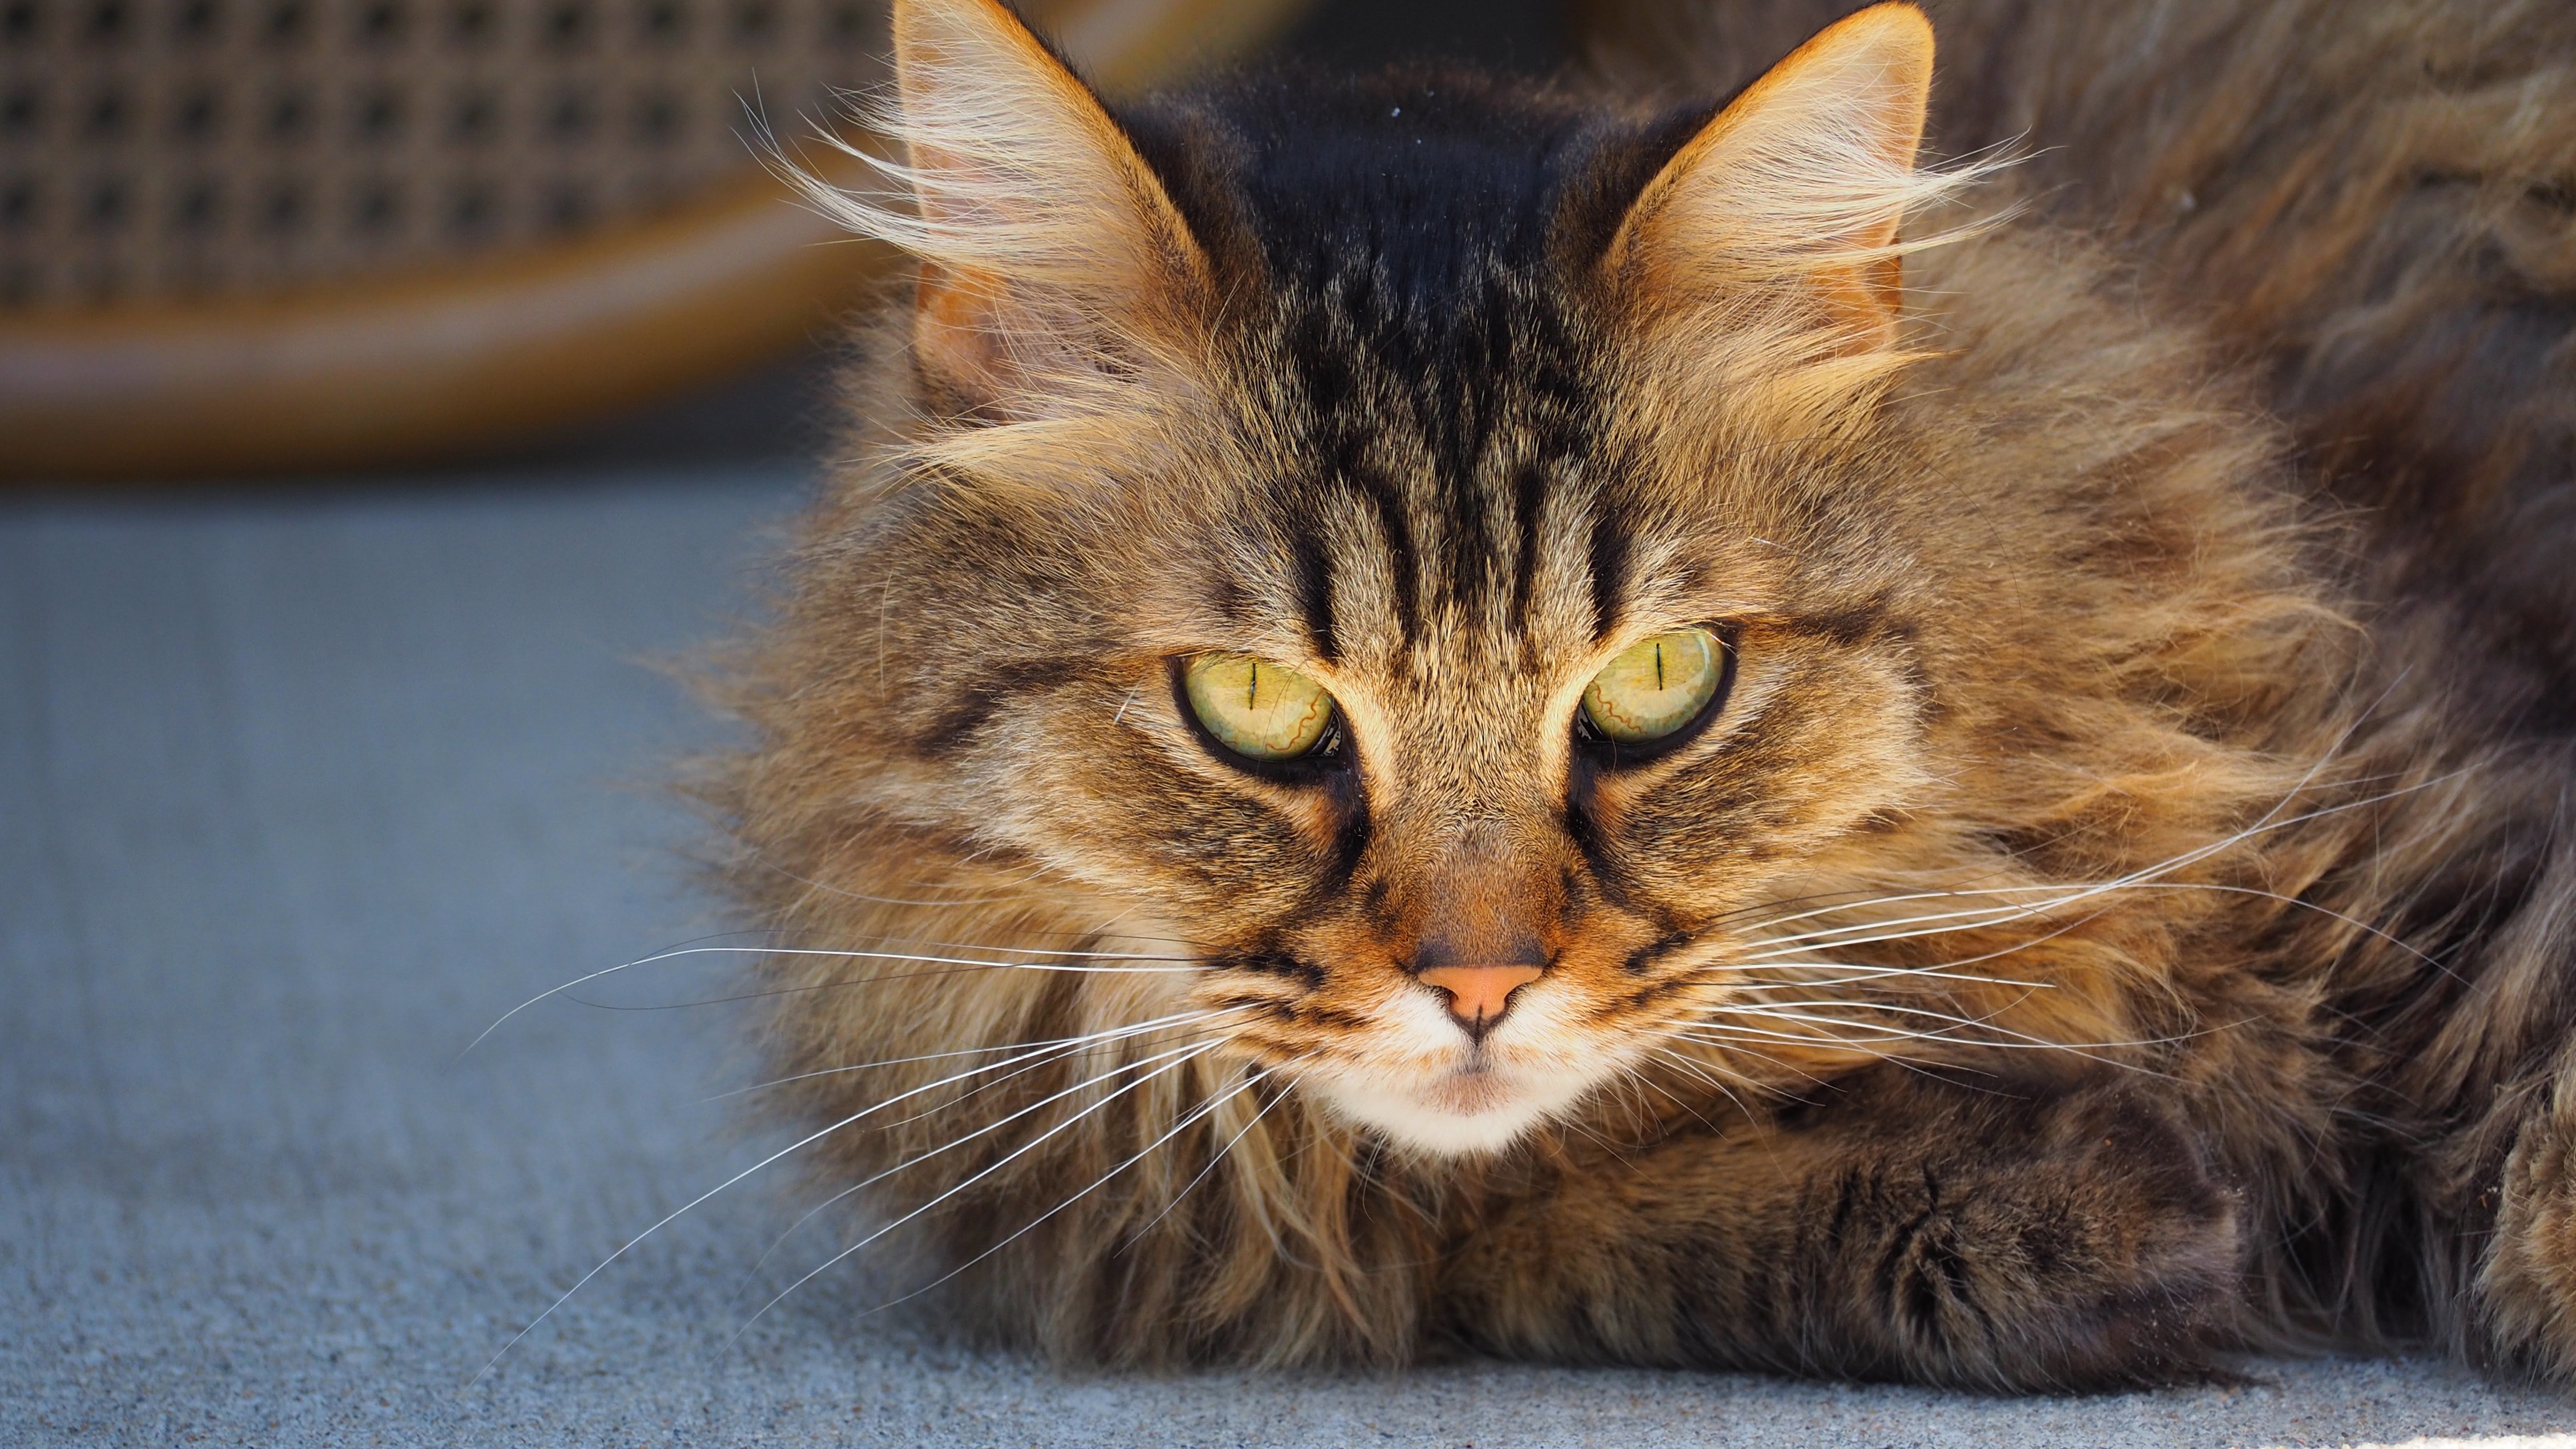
[(2526, 1287), (1900, 1228), (2066, 1244)]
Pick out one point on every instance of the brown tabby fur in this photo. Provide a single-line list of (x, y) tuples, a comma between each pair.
[(2168, 595)]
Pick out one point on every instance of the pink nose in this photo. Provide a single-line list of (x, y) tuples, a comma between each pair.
[(1479, 995)]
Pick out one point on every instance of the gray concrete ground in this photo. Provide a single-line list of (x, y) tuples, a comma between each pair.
[(297, 794)]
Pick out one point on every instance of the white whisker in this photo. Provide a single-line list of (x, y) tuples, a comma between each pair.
[(675, 1214), (1703, 1074), (2059, 896), (1187, 1120), (1881, 1031), (915, 958), (963, 962), (1222, 1153), (1861, 972), (1788, 1011), (1063, 1054), (1793, 1011), (847, 894), (1745, 1050), (1032, 1145), (1970, 918), (1107, 1034), (1066, 1049)]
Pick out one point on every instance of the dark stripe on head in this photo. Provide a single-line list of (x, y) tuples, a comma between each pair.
[(1851, 626), (970, 708), (1874, 622), (1644, 957), (1401, 559), (1331, 890), (1374, 904), (1270, 959), (1470, 542), (1638, 998), (1584, 829), (1529, 500), (1226, 596), (1609, 569), (1351, 838), (1315, 594)]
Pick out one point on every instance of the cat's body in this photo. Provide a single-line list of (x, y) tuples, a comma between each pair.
[(2117, 904)]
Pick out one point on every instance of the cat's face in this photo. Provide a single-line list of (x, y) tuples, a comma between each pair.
[(1339, 713), (1444, 629), (1470, 902)]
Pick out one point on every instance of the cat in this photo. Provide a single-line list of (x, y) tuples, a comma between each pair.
[(1442, 715)]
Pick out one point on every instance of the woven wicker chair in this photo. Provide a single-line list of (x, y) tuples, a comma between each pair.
[(244, 236)]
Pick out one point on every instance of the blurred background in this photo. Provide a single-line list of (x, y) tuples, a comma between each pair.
[(269, 239)]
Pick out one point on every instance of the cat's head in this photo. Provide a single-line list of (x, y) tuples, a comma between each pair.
[(1447, 556)]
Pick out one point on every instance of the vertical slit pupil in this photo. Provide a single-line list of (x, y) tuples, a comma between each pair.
[(1252, 686), (1659, 665)]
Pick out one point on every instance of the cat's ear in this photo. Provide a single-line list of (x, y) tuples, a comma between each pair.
[(1801, 181), (1050, 252)]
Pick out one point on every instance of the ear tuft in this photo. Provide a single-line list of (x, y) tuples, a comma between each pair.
[(1803, 180), (1048, 247)]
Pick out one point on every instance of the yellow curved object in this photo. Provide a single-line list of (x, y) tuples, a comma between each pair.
[(429, 365)]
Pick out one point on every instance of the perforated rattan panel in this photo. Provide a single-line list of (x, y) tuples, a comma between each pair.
[(162, 149)]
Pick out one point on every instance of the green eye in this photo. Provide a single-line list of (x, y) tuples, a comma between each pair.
[(1657, 686), (1257, 709)]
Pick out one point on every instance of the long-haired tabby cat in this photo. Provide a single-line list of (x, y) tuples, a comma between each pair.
[(1437, 714)]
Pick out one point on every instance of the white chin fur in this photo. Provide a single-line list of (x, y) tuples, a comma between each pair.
[(1454, 1115)]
